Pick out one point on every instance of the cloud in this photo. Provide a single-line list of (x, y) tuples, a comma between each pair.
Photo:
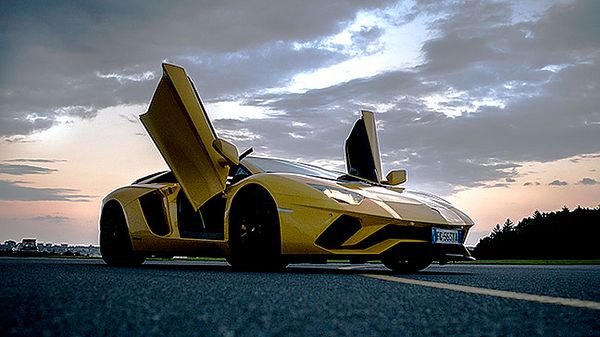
[(130, 118), (56, 219), (498, 185), (466, 115), (558, 183), (24, 169), (35, 160), (73, 58), (11, 190), (239, 136), (492, 89), (588, 181), (529, 183)]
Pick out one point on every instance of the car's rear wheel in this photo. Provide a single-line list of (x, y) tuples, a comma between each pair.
[(115, 244), (254, 234), (407, 265)]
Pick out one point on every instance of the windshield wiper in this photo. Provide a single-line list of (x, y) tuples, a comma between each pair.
[(351, 178)]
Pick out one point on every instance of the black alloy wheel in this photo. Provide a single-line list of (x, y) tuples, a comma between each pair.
[(115, 244), (254, 233)]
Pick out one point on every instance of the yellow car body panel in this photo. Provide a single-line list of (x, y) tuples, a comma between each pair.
[(177, 122), (190, 210), (305, 214)]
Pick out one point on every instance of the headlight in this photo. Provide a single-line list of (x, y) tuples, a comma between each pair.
[(339, 195)]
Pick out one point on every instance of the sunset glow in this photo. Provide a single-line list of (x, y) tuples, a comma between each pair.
[(494, 105)]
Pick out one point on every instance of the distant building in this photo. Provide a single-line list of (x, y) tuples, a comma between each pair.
[(31, 245), (8, 245), (27, 245)]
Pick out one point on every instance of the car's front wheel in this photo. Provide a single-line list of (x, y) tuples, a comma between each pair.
[(115, 244), (254, 235)]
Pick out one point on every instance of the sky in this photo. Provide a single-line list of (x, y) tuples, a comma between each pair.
[(494, 105)]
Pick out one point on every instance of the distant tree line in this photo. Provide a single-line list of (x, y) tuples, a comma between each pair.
[(563, 234)]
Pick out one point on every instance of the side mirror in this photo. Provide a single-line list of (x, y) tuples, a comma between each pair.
[(228, 151), (396, 177)]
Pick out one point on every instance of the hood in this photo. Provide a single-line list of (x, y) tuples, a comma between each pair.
[(384, 201), (414, 206)]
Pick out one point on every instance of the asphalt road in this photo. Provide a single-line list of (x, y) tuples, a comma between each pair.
[(70, 297)]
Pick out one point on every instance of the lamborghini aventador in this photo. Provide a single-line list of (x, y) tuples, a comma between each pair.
[(264, 213)]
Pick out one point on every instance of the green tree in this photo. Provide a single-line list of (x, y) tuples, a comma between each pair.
[(496, 231), (562, 234), (508, 226)]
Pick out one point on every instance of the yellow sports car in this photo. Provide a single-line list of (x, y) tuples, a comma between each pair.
[(263, 213)]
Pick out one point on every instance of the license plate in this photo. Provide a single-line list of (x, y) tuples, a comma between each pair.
[(446, 236)]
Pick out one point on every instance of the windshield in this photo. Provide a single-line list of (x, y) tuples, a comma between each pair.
[(270, 165)]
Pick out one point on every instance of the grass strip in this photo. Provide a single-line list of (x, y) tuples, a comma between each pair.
[(532, 262)]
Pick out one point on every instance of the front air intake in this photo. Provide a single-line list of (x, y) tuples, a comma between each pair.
[(345, 227), (338, 232)]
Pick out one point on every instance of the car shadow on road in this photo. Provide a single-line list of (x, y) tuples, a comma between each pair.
[(321, 269), (440, 273), (360, 271)]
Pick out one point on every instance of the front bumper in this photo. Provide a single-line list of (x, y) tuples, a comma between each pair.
[(442, 253)]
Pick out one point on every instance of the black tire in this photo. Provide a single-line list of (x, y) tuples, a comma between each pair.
[(115, 243), (407, 265), (254, 234)]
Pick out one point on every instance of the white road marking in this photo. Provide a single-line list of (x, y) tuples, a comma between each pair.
[(492, 292)]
